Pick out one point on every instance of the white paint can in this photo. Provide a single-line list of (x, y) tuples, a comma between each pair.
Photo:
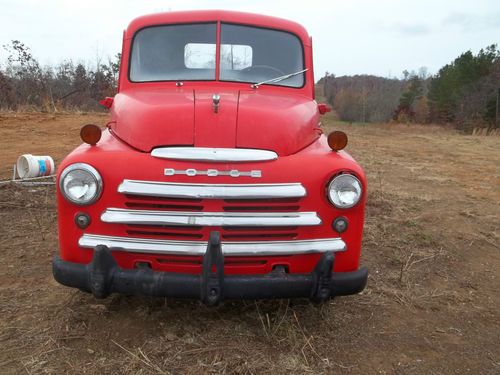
[(35, 166)]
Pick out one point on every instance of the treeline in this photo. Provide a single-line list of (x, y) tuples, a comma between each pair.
[(363, 98), (464, 93), (26, 85)]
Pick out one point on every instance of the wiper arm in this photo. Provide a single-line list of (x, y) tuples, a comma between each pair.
[(277, 79)]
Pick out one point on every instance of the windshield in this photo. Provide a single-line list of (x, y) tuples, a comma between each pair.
[(188, 52)]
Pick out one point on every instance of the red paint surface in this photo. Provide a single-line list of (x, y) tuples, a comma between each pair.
[(323, 108)]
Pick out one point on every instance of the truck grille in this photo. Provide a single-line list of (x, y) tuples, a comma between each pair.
[(240, 212)]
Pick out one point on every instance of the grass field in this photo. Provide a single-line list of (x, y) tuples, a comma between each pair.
[(432, 244)]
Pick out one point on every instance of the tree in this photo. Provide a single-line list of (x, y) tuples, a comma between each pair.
[(25, 73), (414, 92), (7, 95), (421, 110), (456, 80), (478, 105)]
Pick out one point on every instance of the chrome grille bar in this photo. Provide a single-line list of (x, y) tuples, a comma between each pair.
[(245, 219), (263, 248), (212, 191), (214, 154)]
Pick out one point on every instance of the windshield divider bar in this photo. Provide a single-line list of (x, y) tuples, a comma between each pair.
[(217, 51)]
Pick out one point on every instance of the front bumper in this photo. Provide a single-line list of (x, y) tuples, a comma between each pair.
[(103, 276)]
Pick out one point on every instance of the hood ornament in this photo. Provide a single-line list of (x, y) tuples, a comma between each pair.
[(215, 102)]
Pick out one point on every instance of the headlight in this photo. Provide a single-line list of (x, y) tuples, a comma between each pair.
[(81, 184), (344, 191)]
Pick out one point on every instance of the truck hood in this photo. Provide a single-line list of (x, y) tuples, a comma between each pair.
[(150, 118)]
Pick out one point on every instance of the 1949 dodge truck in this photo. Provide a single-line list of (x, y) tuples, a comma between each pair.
[(213, 179)]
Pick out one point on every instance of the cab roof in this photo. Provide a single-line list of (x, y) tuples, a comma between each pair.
[(199, 16)]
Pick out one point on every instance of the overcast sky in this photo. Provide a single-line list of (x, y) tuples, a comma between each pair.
[(381, 37)]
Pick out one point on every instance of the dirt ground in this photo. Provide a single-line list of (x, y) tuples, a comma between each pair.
[(432, 244)]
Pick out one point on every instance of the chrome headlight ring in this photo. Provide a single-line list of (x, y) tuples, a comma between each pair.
[(345, 191), (81, 184)]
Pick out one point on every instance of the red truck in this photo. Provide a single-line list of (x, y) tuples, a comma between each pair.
[(213, 179)]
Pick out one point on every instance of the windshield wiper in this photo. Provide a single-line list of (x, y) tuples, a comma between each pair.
[(277, 79)]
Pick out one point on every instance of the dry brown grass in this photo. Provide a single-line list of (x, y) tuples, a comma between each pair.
[(431, 243)]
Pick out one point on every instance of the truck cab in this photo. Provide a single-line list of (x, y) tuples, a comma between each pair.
[(212, 179)]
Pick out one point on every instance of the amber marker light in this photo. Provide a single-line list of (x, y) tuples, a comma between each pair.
[(90, 134), (337, 140)]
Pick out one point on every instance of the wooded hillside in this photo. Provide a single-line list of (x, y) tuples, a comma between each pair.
[(464, 93)]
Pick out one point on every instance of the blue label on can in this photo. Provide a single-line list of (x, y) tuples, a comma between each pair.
[(41, 164)]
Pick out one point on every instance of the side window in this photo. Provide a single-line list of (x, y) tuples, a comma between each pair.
[(199, 56), (235, 56)]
